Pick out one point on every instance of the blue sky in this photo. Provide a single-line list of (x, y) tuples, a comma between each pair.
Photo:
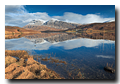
[(58, 10), (20, 15)]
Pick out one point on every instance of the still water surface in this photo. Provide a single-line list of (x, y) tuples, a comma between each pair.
[(88, 56)]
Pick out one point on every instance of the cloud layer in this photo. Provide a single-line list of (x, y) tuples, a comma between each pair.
[(17, 15), (83, 19)]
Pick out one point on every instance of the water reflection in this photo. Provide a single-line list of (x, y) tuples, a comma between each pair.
[(103, 56), (84, 55), (41, 44)]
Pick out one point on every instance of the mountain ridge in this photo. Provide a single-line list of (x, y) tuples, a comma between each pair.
[(56, 25), (52, 23)]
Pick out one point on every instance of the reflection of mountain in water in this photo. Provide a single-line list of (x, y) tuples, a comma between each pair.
[(37, 40), (25, 44), (51, 39), (60, 38), (99, 35)]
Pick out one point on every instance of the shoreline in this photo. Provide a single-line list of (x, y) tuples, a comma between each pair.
[(26, 69)]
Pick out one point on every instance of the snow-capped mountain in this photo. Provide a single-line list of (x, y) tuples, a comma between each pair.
[(36, 23), (52, 23)]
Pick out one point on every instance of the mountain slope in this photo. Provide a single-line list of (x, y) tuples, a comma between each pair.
[(60, 24), (50, 25), (17, 32), (97, 26)]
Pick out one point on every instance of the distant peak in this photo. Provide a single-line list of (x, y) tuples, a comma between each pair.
[(36, 22), (109, 21), (53, 20)]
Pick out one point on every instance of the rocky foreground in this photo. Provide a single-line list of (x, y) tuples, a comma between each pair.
[(26, 67)]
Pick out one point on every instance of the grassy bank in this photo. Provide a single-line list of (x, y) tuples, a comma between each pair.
[(26, 69)]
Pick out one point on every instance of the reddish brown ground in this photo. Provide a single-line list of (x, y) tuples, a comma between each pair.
[(43, 28), (98, 26), (17, 29), (16, 32)]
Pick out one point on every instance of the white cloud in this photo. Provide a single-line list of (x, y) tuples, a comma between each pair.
[(14, 9), (22, 19), (83, 19), (18, 15)]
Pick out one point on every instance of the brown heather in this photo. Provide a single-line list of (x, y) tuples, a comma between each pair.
[(30, 69)]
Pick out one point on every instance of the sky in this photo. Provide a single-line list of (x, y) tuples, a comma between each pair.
[(21, 15)]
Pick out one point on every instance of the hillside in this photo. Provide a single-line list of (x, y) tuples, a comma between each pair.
[(17, 29), (95, 31), (15, 32), (41, 28), (98, 26)]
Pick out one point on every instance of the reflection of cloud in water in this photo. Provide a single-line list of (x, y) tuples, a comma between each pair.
[(70, 44), (25, 44), (103, 56)]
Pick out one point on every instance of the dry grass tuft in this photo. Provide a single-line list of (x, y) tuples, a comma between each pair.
[(17, 53)]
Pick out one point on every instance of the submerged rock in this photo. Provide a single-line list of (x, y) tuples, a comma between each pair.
[(109, 69)]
